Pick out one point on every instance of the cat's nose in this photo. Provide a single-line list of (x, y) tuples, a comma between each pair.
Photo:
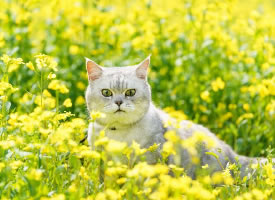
[(118, 102)]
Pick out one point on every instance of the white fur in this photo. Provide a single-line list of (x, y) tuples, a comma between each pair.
[(143, 132)]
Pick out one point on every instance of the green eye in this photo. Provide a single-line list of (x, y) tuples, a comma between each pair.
[(106, 93), (130, 92)]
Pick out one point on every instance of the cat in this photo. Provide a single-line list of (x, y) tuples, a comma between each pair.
[(124, 96)]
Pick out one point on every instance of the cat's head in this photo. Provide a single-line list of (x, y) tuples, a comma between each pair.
[(121, 93)]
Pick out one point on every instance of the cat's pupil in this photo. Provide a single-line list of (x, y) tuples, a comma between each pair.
[(130, 92), (106, 93)]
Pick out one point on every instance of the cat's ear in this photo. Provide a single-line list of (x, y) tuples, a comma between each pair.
[(94, 70), (142, 68)]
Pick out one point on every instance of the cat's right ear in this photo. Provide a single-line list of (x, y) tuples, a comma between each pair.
[(141, 70), (94, 70)]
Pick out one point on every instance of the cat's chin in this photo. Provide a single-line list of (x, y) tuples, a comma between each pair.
[(122, 118), (119, 112)]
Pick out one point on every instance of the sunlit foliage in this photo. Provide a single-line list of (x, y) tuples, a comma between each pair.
[(212, 60)]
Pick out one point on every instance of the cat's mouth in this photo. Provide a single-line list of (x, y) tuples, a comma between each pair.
[(119, 110)]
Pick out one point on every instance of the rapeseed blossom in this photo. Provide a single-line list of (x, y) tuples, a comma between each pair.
[(67, 103), (44, 61), (209, 65), (205, 95), (58, 86), (218, 84), (30, 65)]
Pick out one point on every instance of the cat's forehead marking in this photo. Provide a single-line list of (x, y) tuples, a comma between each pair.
[(119, 77), (118, 82)]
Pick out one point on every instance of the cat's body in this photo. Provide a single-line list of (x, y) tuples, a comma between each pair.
[(146, 132), (131, 116)]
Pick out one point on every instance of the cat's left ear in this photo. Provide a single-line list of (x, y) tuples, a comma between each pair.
[(142, 68), (94, 70)]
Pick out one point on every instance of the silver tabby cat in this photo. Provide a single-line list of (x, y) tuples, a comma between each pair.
[(124, 96)]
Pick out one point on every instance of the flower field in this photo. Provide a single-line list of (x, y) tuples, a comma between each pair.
[(213, 62)]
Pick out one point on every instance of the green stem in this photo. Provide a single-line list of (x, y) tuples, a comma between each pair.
[(41, 88), (217, 158), (57, 101), (6, 79), (3, 112), (93, 136)]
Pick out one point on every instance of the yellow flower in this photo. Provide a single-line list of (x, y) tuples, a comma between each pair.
[(269, 174), (206, 179), (63, 89), (168, 123), (137, 149), (100, 196), (205, 166), (116, 171), (111, 194), (258, 194), (80, 100), (246, 106), (54, 197), (205, 95), (265, 66), (14, 64), (227, 178), (202, 137), (95, 115), (232, 106), (179, 115), (63, 116), (89, 154), (54, 85), (46, 93), (2, 166), (4, 86), (35, 174), (7, 144), (226, 116), (45, 132), (114, 146), (16, 164), (172, 136), (44, 61), (80, 85), (26, 97), (153, 147), (101, 141), (217, 178), (121, 180), (51, 76), (72, 188), (74, 49), (203, 108), (244, 116), (168, 149), (249, 60), (218, 84), (67, 103), (263, 90), (83, 173), (59, 86), (5, 58), (30, 66)]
